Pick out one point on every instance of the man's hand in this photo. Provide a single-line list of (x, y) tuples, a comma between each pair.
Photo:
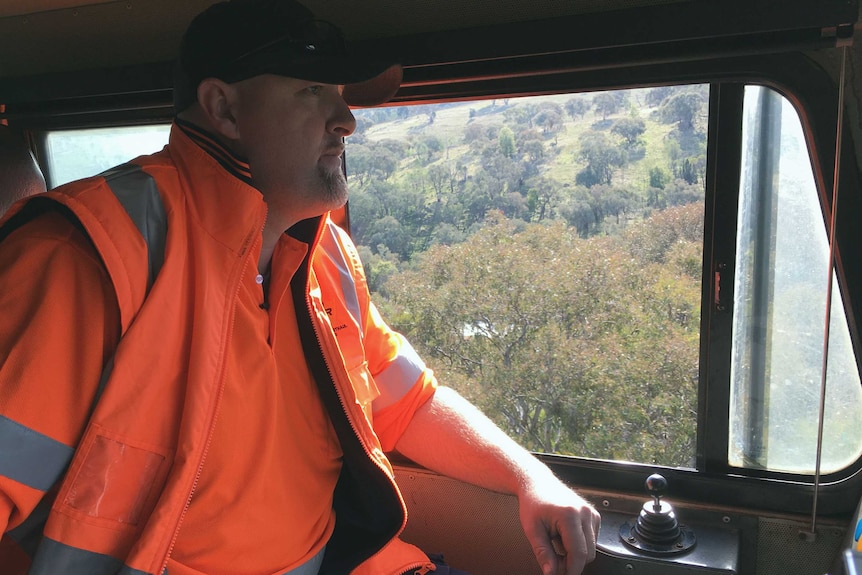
[(452, 437), (561, 526)]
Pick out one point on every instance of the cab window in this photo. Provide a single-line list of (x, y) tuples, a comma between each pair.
[(75, 154), (545, 254)]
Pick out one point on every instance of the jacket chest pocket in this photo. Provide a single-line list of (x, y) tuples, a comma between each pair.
[(112, 481)]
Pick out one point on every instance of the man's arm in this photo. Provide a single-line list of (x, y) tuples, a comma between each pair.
[(450, 436), (60, 323)]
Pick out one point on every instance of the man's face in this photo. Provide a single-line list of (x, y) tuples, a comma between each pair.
[(291, 131)]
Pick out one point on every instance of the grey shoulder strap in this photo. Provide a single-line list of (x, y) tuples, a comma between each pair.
[(137, 192)]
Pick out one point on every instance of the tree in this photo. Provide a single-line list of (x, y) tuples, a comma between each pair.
[(388, 232), (506, 141), (578, 212), (534, 149), (606, 104), (658, 178), (376, 160), (446, 234), (577, 107), (688, 172), (443, 179), (473, 132), (379, 267), (683, 109), (549, 118), (630, 129), (521, 115), (534, 325), (542, 196), (656, 96), (602, 158), (680, 193), (652, 240)]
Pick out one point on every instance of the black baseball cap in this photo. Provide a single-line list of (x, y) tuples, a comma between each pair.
[(240, 39)]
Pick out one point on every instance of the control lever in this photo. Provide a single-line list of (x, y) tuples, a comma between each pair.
[(656, 530)]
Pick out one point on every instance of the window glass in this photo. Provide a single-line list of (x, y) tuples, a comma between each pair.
[(75, 154), (780, 308), (544, 255)]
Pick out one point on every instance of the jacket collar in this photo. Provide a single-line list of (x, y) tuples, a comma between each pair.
[(221, 195), (232, 162)]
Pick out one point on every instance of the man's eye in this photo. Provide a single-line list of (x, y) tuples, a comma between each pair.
[(315, 90)]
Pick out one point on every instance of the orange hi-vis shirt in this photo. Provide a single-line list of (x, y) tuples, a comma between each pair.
[(269, 476), (262, 498)]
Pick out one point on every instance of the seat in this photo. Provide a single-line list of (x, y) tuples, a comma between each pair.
[(20, 175)]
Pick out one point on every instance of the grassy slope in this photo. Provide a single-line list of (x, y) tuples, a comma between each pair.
[(562, 162)]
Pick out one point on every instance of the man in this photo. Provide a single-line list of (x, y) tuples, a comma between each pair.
[(218, 398)]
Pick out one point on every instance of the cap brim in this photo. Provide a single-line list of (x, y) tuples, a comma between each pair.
[(365, 83), (378, 90)]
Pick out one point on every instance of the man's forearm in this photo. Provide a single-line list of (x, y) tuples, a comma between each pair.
[(450, 436)]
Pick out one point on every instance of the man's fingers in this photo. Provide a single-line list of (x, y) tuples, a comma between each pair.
[(562, 534), (592, 523), (543, 548), (577, 547), (578, 540)]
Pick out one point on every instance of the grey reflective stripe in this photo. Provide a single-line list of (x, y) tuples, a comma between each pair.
[(28, 535), (348, 285), (137, 192), (54, 558), (310, 567), (30, 457), (398, 377)]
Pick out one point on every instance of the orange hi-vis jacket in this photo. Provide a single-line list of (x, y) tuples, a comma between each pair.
[(114, 503)]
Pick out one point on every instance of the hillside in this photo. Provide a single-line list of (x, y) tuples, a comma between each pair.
[(428, 174), (562, 145)]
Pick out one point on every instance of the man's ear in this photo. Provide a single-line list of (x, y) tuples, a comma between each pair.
[(217, 100)]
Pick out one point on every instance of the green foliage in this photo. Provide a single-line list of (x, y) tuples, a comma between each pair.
[(577, 107), (651, 241), (631, 129), (577, 346), (658, 178), (606, 104), (602, 157), (549, 118), (682, 109), (506, 141), (482, 156), (509, 243), (379, 267)]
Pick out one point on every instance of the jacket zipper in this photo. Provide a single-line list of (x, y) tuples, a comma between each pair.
[(423, 568), (200, 468), (310, 309), (420, 569)]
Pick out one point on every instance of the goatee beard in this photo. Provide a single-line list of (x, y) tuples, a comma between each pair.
[(334, 187)]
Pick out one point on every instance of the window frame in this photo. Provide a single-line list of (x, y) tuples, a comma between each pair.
[(810, 90), (812, 94)]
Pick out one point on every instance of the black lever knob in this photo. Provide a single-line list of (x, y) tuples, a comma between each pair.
[(656, 485), (656, 530)]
